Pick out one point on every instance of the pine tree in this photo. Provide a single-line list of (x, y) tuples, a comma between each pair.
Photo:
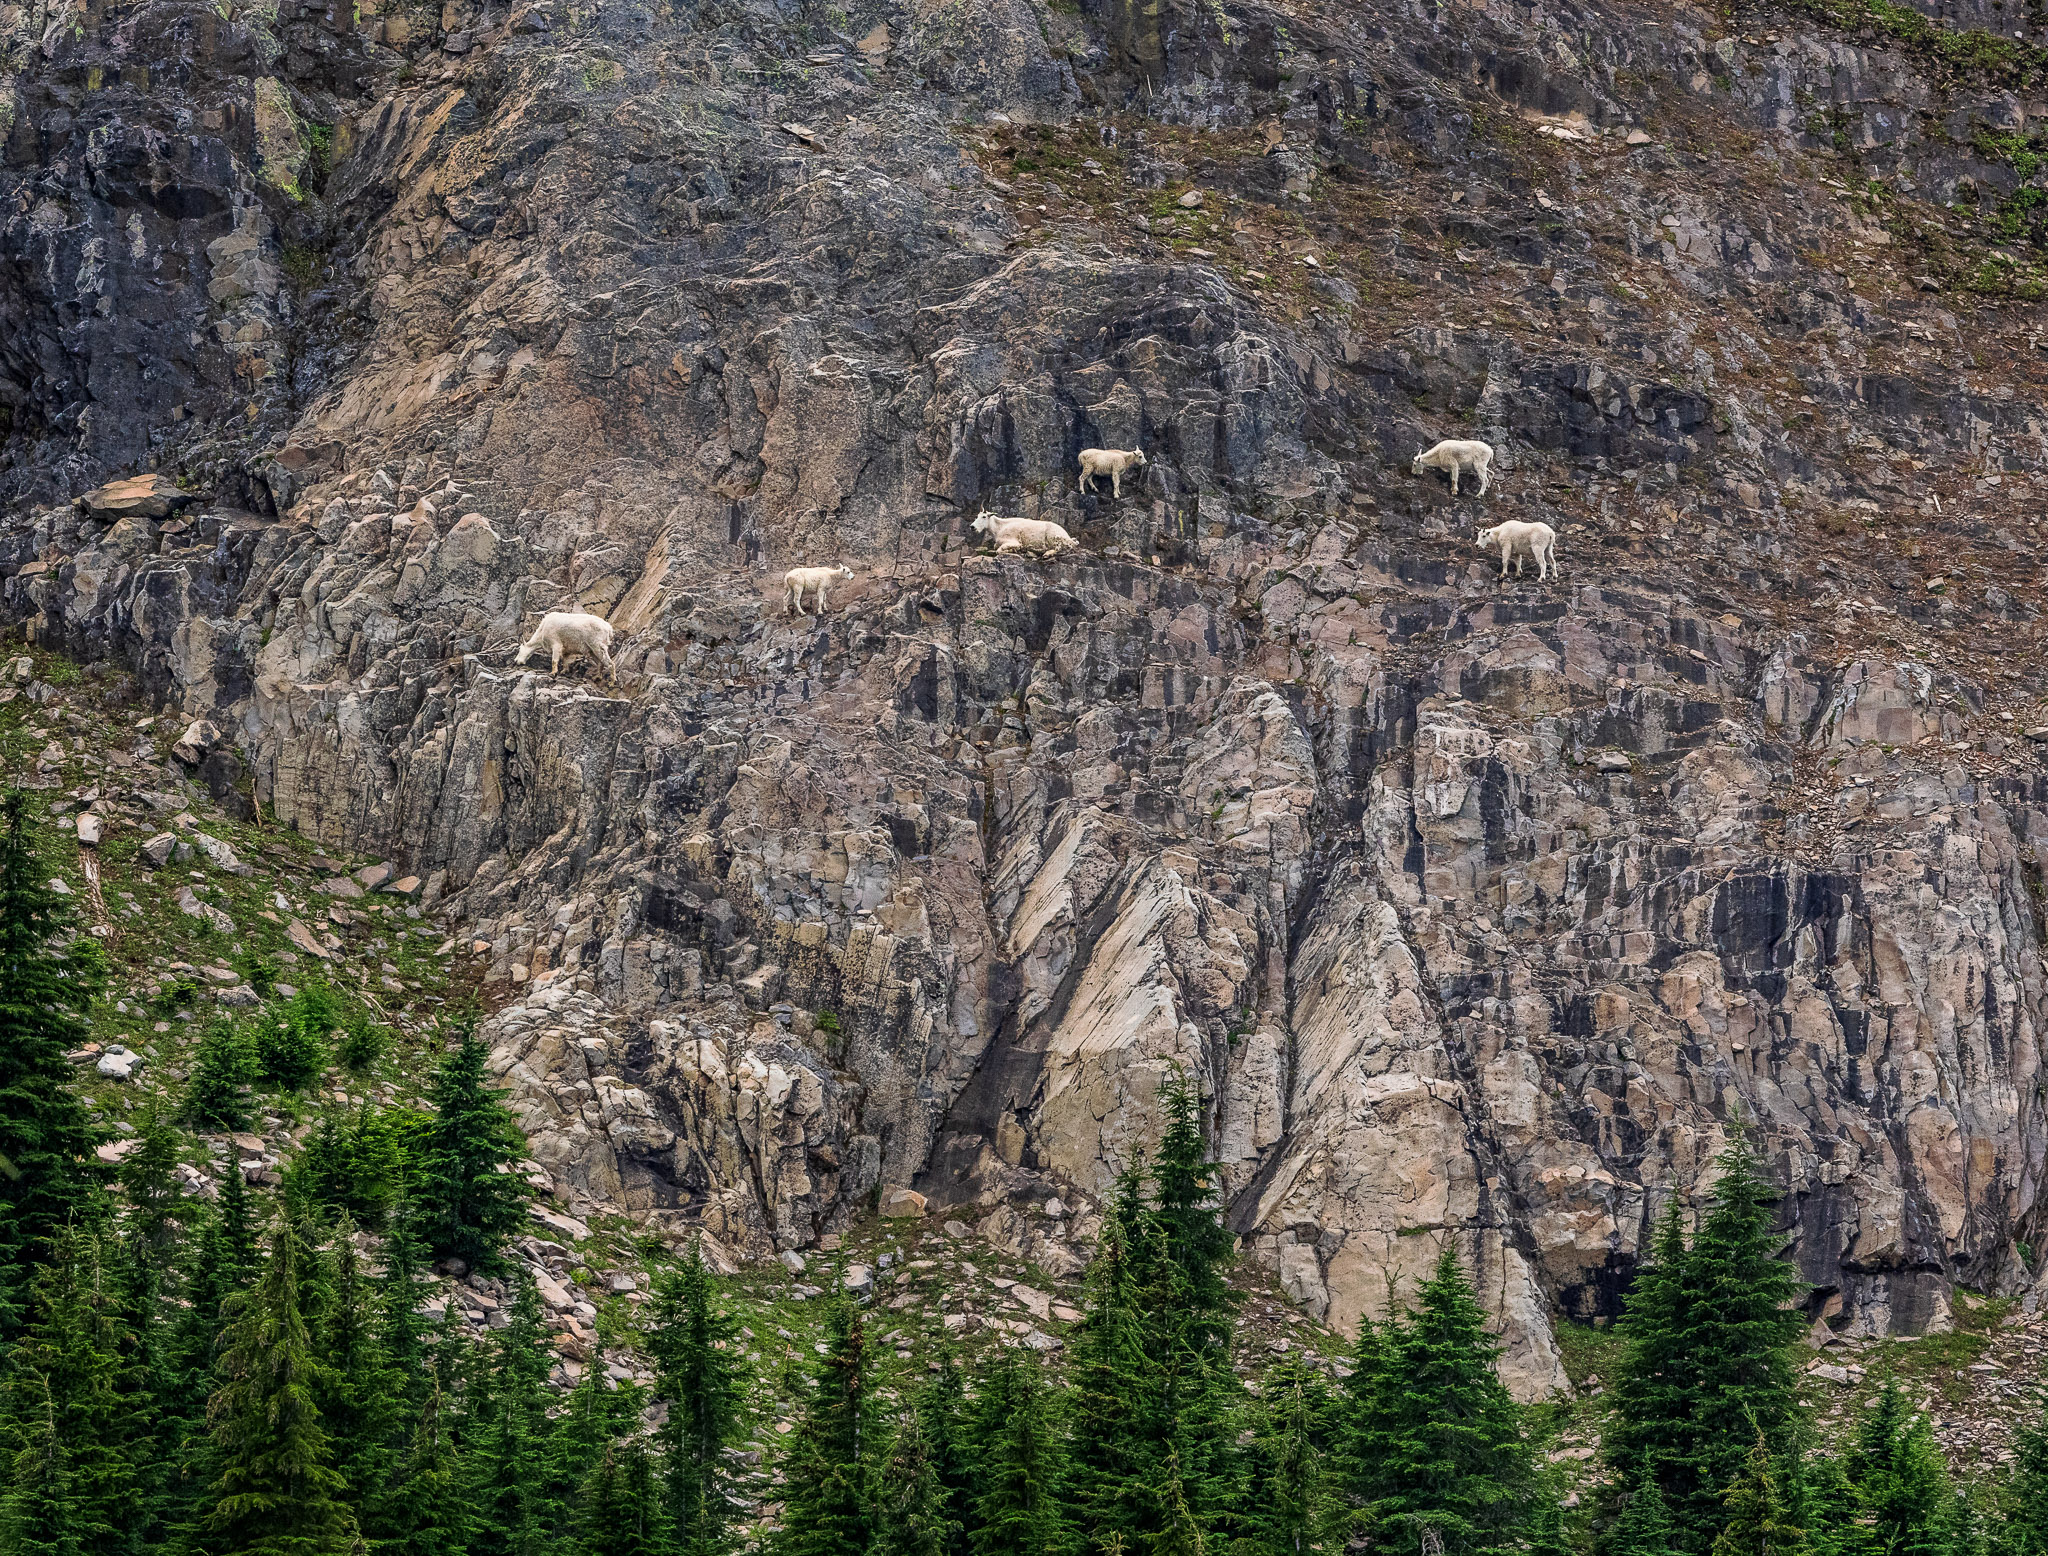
[(67, 1382), (358, 1401), (1758, 1521), (1118, 1437), (1436, 1441), (1900, 1478), (276, 1493), (913, 1519), (217, 1092), (942, 1428), (828, 1470), (514, 1454), (42, 1514), (1644, 1525), (149, 1183), (1710, 1331), (1830, 1510), (46, 1137), (469, 1204), (290, 1052), (402, 1291), (1017, 1508), (1292, 1510), (426, 1510), (2023, 1507), (697, 1369), (619, 1511)]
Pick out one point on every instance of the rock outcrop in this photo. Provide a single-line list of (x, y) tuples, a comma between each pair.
[(1483, 914)]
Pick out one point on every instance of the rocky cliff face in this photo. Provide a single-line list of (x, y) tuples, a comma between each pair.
[(1482, 910)]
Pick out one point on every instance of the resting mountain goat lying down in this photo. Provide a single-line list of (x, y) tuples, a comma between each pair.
[(1457, 455), (1023, 534), (1112, 462), (569, 633), (1520, 536), (799, 579)]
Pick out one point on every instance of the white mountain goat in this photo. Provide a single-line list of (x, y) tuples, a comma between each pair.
[(798, 580), (1112, 462), (1024, 534), (1519, 537), (569, 633), (1458, 456)]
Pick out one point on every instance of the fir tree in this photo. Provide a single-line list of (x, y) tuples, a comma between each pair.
[(358, 1405), (1831, 1511), (402, 1291), (469, 1203), (697, 1369), (1901, 1482), (828, 1470), (514, 1454), (913, 1519), (1758, 1521), (942, 1430), (223, 1262), (1017, 1508), (68, 1384), (46, 1138), (426, 1510), (1644, 1525), (42, 1514), (1118, 1439), (619, 1511), (1292, 1510), (2023, 1528), (217, 1093), (1710, 1330), (289, 1051), (1436, 1441), (149, 1183), (276, 1493)]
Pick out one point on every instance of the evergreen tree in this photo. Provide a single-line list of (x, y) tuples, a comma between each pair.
[(46, 1137), (1830, 1511), (600, 1415), (1758, 1521), (42, 1514), (358, 1405), (697, 1369), (1901, 1482), (1017, 1509), (1292, 1509), (67, 1383), (217, 1092), (913, 1517), (1193, 1238), (1436, 1441), (1644, 1525), (469, 1203), (828, 1469), (149, 1183), (514, 1454), (289, 1051), (942, 1430), (276, 1493), (1710, 1331), (426, 1511), (619, 1511), (402, 1291), (2023, 1528), (1118, 1439)]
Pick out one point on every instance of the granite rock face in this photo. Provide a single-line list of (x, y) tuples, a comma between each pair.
[(1483, 912)]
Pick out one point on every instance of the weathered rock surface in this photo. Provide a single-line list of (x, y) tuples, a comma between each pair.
[(1481, 913)]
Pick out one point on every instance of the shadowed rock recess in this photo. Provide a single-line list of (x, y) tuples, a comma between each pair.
[(1481, 911)]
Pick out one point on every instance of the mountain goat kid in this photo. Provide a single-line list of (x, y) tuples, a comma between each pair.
[(1112, 462), (1041, 535), (570, 633), (1518, 537), (799, 579), (1457, 455)]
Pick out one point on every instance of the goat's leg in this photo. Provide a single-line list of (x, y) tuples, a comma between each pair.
[(555, 667), (1454, 478), (1485, 471), (604, 658)]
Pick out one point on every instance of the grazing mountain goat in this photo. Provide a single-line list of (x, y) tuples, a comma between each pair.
[(1112, 462), (1520, 536), (1457, 455), (1024, 534), (571, 632), (799, 579)]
